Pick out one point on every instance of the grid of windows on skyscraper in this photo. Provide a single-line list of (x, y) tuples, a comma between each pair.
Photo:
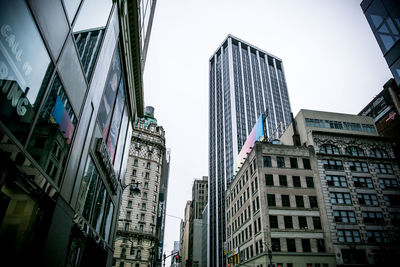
[(245, 82)]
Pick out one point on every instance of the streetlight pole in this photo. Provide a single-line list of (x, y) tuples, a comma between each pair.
[(270, 257), (133, 186)]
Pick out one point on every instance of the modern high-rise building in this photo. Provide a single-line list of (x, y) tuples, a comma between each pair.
[(360, 181), (142, 216), (244, 82), (71, 87), (384, 19)]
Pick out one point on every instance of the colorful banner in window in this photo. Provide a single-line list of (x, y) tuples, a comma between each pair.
[(256, 134), (60, 116)]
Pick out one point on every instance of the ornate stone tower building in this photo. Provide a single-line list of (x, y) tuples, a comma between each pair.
[(142, 214)]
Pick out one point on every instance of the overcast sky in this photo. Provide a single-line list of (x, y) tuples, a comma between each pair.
[(331, 59)]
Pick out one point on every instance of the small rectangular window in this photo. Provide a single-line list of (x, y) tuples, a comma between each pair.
[(282, 180), (291, 245), (288, 222), (293, 163), (317, 223), (275, 244), (267, 161), (296, 181), (273, 221), (285, 201), (269, 179), (271, 200), (310, 182), (303, 222), (299, 201), (280, 162), (321, 245), (313, 202), (306, 245), (306, 164)]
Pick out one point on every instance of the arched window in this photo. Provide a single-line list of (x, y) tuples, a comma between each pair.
[(355, 151), (378, 153), (329, 149)]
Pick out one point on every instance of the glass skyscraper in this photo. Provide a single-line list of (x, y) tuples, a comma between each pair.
[(244, 83)]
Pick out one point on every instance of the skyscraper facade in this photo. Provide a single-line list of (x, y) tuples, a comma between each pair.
[(244, 83)]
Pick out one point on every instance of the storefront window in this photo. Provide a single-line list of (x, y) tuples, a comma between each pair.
[(25, 68), (51, 139), (88, 190)]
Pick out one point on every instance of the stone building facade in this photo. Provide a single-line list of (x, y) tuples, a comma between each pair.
[(199, 201), (360, 184), (138, 228), (274, 206)]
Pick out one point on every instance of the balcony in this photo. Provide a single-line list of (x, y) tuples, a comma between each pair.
[(136, 232)]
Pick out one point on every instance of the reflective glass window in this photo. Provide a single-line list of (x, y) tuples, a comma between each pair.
[(25, 67), (88, 189), (121, 142), (108, 219), (116, 121), (382, 26), (71, 7), (99, 208), (109, 95), (52, 136), (89, 31)]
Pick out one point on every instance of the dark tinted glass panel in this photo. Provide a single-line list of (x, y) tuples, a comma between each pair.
[(52, 136), (99, 208), (382, 26), (110, 92), (52, 21), (25, 67), (108, 219), (88, 189)]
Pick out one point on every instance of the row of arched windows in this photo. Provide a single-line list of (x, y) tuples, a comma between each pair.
[(354, 151)]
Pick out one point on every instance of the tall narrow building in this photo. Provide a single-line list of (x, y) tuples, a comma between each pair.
[(199, 201), (141, 219), (244, 83)]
